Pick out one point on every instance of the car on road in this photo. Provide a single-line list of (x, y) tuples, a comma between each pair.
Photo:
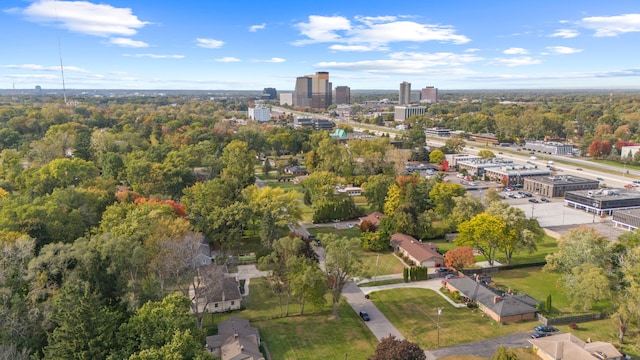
[(364, 316), (450, 276), (500, 152), (533, 200), (579, 169), (545, 328), (599, 179), (539, 334), (531, 153), (544, 200), (442, 270)]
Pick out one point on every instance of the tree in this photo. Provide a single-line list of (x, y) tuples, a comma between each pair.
[(436, 156), (442, 195), (598, 149), (465, 208), (502, 353), (580, 246), (389, 348), (455, 144), (485, 233), (239, 163), (486, 154), (374, 241), (459, 258), (375, 190), (522, 234), (341, 263), (308, 283), (586, 285)]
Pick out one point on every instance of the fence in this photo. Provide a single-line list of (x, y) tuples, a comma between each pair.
[(495, 269), (570, 319)]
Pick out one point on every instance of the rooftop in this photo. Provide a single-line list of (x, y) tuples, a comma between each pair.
[(607, 194), (564, 180), (419, 250)]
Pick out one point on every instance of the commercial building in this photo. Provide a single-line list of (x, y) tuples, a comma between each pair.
[(403, 113), (629, 151), (554, 148), (477, 167), (486, 138), (260, 113), (454, 159), (513, 174), (557, 186), (405, 93), (314, 91), (629, 219), (269, 94), (603, 201), (342, 95), (429, 94), (316, 124), (437, 131), (286, 99)]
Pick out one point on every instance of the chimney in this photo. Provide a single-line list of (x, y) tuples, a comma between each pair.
[(235, 335), (496, 299)]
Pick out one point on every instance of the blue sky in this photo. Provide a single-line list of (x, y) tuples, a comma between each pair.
[(376, 44)]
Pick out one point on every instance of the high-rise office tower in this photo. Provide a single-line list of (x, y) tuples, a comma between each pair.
[(429, 94), (405, 93), (314, 91), (269, 94), (343, 95)]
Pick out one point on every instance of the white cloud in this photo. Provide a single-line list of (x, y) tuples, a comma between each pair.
[(515, 51), (565, 33), (155, 56), (272, 60), (227, 59), (472, 50), (384, 33), (607, 26), (515, 61), (563, 50), (126, 42), (85, 17), (209, 43), (340, 47), (254, 28), (35, 67), (407, 63), (322, 29)]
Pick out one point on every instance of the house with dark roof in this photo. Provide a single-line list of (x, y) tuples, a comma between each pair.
[(420, 253), (295, 170), (373, 219), (236, 340), (569, 347), (500, 307), (225, 297)]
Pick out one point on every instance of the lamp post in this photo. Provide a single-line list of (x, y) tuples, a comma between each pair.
[(439, 313), (376, 273)]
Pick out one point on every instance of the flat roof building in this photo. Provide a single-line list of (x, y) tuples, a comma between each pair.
[(487, 138), (429, 95), (629, 219), (404, 98), (437, 131), (342, 95), (557, 186), (603, 201), (403, 113), (513, 174), (260, 113), (554, 148), (286, 99), (454, 159), (316, 124), (477, 167)]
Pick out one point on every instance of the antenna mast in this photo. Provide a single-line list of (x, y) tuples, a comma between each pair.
[(64, 89)]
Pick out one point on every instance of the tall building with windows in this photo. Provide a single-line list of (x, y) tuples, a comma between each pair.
[(343, 95), (405, 93), (260, 113), (313, 91), (429, 94), (269, 94)]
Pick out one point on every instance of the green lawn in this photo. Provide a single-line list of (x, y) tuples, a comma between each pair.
[(414, 313), (314, 335), (547, 245), (606, 330)]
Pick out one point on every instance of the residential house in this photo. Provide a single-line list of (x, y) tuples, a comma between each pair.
[(422, 254), (373, 219), (504, 308), (295, 170), (569, 347), (221, 297), (236, 340)]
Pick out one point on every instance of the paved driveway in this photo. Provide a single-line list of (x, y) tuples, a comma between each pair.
[(484, 348)]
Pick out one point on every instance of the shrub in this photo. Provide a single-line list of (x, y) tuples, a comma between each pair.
[(472, 305), (573, 326), (455, 295)]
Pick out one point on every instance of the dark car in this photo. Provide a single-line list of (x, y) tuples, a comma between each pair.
[(544, 200), (442, 270), (599, 179), (539, 334), (364, 316), (533, 200), (545, 328), (579, 169)]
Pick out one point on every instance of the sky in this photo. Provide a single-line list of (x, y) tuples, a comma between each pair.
[(374, 44)]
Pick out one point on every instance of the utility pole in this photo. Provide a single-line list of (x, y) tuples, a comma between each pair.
[(439, 313)]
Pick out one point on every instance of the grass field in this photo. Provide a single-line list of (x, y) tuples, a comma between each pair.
[(314, 335)]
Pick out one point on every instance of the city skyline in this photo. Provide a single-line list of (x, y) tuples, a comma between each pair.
[(207, 46)]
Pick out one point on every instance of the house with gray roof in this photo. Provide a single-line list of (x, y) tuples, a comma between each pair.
[(236, 340), (569, 347), (420, 253), (500, 307)]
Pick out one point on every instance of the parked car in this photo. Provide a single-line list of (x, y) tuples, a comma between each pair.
[(442, 269), (539, 334), (545, 328), (450, 276), (533, 200), (579, 169), (544, 200), (364, 316), (599, 179)]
